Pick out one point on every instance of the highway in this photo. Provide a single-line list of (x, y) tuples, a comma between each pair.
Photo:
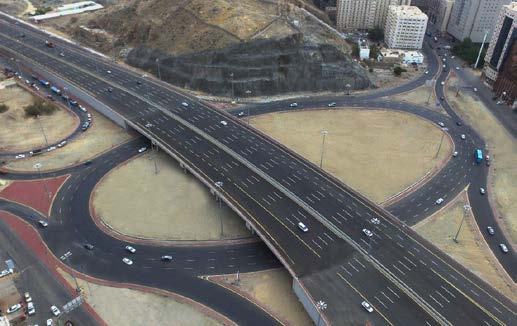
[(273, 189)]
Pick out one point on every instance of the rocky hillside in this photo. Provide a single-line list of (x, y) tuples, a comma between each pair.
[(270, 46)]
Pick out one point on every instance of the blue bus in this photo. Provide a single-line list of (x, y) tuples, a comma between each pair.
[(479, 156), (55, 90), (44, 83)]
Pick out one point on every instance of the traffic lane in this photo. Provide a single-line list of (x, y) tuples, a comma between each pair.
[(35, 278)]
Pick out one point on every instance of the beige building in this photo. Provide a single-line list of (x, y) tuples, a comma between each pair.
[(474, 18), (505, 31), (405, 27), (364, 14), (439, 12)]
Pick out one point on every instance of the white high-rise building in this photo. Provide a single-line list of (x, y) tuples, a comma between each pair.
[(405, 27), (474, 18), (364, 14)]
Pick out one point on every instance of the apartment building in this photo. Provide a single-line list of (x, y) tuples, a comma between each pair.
[(364, 14), (474, 18), (439, 12), (405, 27)]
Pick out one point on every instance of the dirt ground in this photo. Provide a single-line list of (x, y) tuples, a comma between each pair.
[(191, 213), (24, 134), (502, 149), (375, 152), (471, 250), (120, 306), (419, 96), (102, 135), (273, 289), (384, 78)]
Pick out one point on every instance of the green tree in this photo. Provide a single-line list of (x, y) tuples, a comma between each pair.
[(39, 107), (3, 108), (374, 51), (468, 51), (398, 71), (355, 50), (376, 34)]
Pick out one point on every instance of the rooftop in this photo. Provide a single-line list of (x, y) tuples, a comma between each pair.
[(407, 11)]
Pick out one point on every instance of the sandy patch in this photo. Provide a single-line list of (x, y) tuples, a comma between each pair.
[(375, 152), (471, 250), (120, 306), (419, 96), (272, 289), (19, 133), (503, 151), (102, 135), (190, 212)]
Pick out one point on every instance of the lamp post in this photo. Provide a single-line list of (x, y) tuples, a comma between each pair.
[(466, 208), (233, 91), (66, 260), (324, 134), (38, 166), (158, 66), (219, 184), (42, 129), (348, 86), (481, 49), (320, 305)]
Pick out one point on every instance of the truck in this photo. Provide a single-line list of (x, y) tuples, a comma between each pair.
[(44, 83), (50, 44), (55, 90), (479, 156)]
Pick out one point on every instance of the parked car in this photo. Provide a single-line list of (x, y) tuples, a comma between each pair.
[(14, 308), (367, 306), (463, 136), (49, 322), (454, 154), (27, 297), (6, 272), (30, 309), (367, 232), (224, 123), (185, 104), (55, 311), (42, 223), (441, 124), (303, 227)]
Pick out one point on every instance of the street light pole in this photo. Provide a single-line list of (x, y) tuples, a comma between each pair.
[(37, 166), (320, 305), (219, 185), (481, 49), (67, 261), (158, 65), (233, 91), (323, 133), (433, 82), (42, 129), (348, 86), (466, 208)]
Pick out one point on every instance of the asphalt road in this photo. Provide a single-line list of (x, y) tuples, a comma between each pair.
[(275, 188)]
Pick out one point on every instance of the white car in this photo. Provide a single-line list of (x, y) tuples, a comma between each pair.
[(303, 227), (62, 54), (503, 247), (27, 297), (185, 104), (141, 150), (55, 311), (14, 308), (442, 83), (427, 72), (30, 309), (127, 261), (51, 148), (482, 191), (457, 68), (224, 123), (61, 144), (49, 322), (452, 57), (109, 71), (475, 89), (439, 201), (241, 114), (463, 136), (293, 105), (42, 223), (130, 249), (367, 306), (367, 232), (6, 272), (454, 154), (441, 124), (20, 156)]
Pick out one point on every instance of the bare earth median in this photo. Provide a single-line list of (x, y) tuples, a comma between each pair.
[(375, 152), (102, 135), (503, 150), (471, 250), (419, 96), (19, 133), (170, 205), (121, 306)]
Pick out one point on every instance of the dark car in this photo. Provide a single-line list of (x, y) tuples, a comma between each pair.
[(50, 97), (110, 89), (487, 163), (88, 162), (88, 246), (138, 82), (458, 123)]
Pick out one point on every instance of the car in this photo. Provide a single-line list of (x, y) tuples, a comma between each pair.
[(442, 83), (487, 163), (22, 35), (293, 105), (439, 201), (503, 247), (109, 71), (14, 308), (445, 66), (138, 82), (49, 322), (457, 68), (487, 157), (475, 89), (141, 150), (73, 102), (89, 115), (331, 105), (490, 230), (240, 114), (127, 261), (454, 154), (27, 297), (426, 72), (88, 162), (55, 311), (30, 309), (444, 59), (482, 191), (185, 104), (20, 156), (463, 136), (367, 306), (224, 123), (61, 144), (85, 126), (442, 98), (458, 123), (51, 148), (303, 227), (499, 102), (82, 108), (452, 57), (50, 97), (27, 82), (6, 272), (130, 249), (110, 89), (88, 246), (166, 258), (441, 124), (36, 87), (61, 54), (367, 232), (42, 223)]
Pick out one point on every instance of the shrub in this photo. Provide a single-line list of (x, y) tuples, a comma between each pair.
[(3, 108), (370, 69), (398, 71), (39, 107)]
